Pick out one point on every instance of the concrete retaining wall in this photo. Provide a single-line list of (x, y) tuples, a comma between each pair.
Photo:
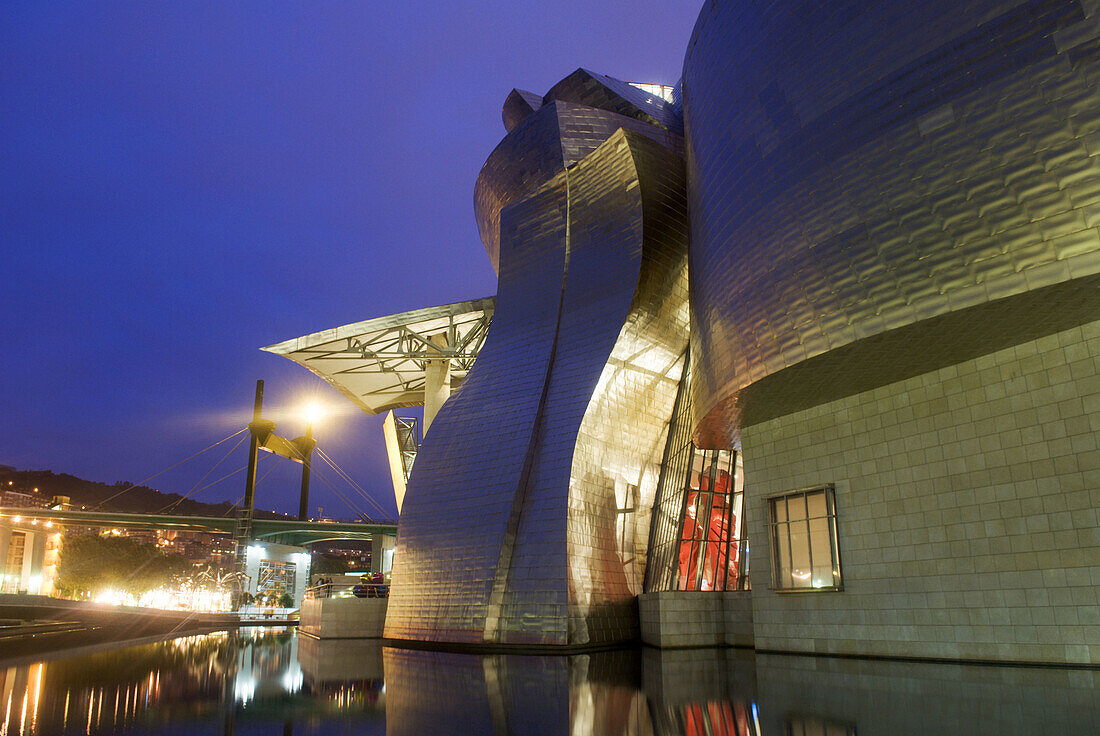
[(343, 618)]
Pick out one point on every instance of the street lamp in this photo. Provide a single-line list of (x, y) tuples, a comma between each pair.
[(264, 437), (313, 413), (305, 444)]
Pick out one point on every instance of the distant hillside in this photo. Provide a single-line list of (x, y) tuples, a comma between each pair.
[(140, 499)]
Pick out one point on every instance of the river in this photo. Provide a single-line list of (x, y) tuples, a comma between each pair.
[(271, 681)]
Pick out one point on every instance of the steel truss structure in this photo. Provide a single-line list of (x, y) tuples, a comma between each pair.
[(379, 363)]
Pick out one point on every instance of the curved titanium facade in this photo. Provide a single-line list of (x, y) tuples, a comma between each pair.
[(578, 114), (527, 514), (861, 194)]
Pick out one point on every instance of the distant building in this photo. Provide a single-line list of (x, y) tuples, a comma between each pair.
[(29, 548)]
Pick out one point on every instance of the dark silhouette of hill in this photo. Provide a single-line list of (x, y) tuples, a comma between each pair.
[(140, 499)]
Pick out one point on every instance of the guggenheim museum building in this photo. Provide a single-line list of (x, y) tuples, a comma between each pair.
[(800, 354)]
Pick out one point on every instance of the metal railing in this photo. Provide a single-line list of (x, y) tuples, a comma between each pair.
[(346, 590), (331, 590)]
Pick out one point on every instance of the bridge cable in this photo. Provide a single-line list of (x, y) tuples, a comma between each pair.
[(353, 484), (181, 462), (219, 480), (240, 499), (206, 475), (344, 498), (348, 480)]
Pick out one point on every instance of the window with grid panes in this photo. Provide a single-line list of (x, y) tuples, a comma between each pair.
[(803, 539), (711, 550)]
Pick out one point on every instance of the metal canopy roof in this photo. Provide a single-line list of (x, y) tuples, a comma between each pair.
[(379, 363)]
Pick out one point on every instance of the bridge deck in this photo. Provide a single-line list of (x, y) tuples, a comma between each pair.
[(286, 531)]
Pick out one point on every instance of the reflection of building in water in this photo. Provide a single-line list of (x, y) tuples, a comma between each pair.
[(265, 671), (444, 693), (701, 691), (340, 660), (347, 673), (726, 691), (846, 696), (252, 682)]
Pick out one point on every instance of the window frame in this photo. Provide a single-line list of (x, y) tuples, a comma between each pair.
[(711, 464), (773, 524)]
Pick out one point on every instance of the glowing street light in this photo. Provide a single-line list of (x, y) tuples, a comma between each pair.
[(313, 413)]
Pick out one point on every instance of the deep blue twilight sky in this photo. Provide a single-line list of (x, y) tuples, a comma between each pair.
[(183, 183)]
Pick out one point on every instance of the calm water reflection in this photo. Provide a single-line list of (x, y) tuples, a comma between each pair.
[(270, 682)]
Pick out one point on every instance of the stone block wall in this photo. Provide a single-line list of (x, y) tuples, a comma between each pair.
[(343, 618), (966, 510), (695, 619)]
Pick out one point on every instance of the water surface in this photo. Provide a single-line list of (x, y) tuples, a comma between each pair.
[(273, 682)]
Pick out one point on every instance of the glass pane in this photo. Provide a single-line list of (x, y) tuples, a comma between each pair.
[(731, 565), (724, 462), (717, 521), (779, 509), (800, 555), (836, 557), (688, 551), (822, 549), (796, 507), (782, 543), (696, 470), (710, 567), (735, 520), (816, 503), (690, 530)]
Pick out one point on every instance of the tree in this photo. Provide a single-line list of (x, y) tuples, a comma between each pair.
[(323, 563), (90, 564), (286, 600)]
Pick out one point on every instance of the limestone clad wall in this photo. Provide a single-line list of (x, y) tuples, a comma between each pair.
[(966, 510), (343, 618)]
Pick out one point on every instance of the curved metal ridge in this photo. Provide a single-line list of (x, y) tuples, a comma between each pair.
[(526, 516)]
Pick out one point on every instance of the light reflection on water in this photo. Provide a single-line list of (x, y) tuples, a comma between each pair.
[(270, 681)]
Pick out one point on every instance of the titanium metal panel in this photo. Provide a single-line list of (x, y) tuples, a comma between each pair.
[(460, 492), (607, 93), (518, 105), (846, 182), (668, 504), (526, 519), (621, 334), (541, 146)]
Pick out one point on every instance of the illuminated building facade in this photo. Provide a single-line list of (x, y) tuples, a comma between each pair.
[(527, 513), (894, 264), (274, 569), (892, 391), (29, 548)]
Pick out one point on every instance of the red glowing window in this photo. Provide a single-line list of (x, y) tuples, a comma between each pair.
[(712, 553)]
